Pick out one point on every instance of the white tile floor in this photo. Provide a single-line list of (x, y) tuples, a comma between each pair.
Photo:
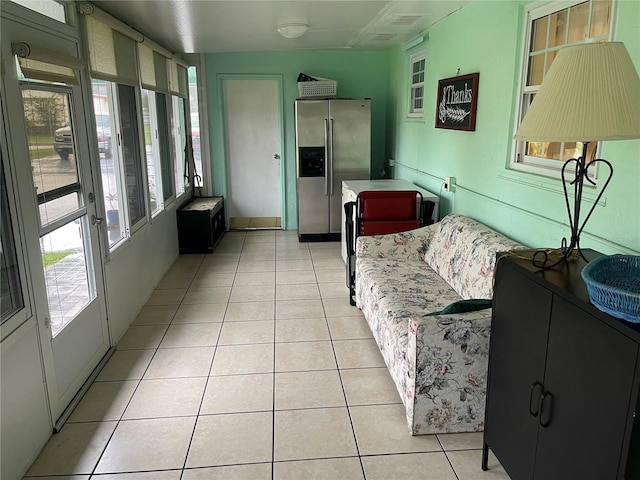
[(250, 364)]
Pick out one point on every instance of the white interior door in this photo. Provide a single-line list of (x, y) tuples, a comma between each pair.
[(253, 147)]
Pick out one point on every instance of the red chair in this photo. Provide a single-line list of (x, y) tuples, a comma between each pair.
[(378, 212), (382, 212)]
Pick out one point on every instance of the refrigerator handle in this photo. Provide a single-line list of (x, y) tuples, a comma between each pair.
[(331, 145), (327, 155)]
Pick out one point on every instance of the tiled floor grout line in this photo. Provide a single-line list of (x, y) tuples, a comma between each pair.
[(273, 367), (215, 351), (344, 393), (446, 454), (120, 419), (273, 375)]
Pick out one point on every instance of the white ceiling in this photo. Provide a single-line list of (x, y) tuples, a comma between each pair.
[(200, 26)]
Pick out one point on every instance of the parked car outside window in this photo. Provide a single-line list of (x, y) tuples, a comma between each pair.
[(63, 142), (63, 138)]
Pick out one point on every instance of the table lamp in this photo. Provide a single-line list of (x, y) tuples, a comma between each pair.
[(590, 93)]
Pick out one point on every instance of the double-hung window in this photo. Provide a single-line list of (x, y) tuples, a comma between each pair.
[(140, 100), (11, 300), (416, 85), (183, 151), (155, 85), (114, 70), (179, 131), (195, 126), (549, 29)]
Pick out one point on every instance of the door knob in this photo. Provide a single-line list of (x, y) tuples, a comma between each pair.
[(276, 156)]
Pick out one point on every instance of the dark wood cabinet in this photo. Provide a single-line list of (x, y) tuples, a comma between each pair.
[(563, 379), (201, 223)]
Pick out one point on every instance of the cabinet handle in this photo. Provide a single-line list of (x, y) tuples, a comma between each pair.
[(534, 398), (546, 404)]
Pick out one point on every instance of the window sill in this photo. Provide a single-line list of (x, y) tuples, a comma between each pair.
[(549, 185), (414, 119), (549, 172)]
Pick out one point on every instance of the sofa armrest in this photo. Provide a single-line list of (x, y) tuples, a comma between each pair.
[(449, 355), (404, 245)]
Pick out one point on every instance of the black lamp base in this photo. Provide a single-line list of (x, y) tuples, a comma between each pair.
[(546, 259)]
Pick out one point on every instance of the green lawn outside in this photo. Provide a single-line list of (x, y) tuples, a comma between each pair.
[(42, 152), (40, 140), (49, 258), (41, 146)]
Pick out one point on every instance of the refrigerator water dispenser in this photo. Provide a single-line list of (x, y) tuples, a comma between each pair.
[(311, 161)]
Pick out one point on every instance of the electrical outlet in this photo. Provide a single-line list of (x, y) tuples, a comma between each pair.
[(392, 162), (449, 183)]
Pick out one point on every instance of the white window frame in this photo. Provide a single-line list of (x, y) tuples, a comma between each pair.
[(182, 183), (22, 313), (519, 160), (155, 148), (120, 177), (412, 110)]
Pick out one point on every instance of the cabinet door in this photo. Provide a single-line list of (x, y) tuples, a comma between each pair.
[(519, 328), (590, 369)]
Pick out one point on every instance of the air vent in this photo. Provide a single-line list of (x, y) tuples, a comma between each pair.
[(383, 37), (406, 20)]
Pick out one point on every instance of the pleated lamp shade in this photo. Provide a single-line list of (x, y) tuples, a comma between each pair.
[(591, 93)]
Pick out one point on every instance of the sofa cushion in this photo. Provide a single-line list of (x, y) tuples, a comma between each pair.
[(396, 291), (463, 253)]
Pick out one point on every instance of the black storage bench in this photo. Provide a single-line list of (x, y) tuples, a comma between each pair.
[(200, 224)]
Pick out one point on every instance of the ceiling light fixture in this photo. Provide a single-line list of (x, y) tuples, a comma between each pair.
[(292, 30)]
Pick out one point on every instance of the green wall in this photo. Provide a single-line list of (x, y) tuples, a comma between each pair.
[(359, 75), (486, 37)]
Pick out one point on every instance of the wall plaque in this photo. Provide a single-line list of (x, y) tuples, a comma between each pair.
[(457, 101)]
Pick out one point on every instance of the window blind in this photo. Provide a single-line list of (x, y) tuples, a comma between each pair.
[(160, 65), (178, 83), (112, 55), (153, 69), (39, 63)]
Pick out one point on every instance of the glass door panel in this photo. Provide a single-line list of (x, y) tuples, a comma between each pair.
[(66, 255), (70, 286)]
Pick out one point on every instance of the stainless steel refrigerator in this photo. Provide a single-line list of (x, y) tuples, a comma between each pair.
[(333, 143)]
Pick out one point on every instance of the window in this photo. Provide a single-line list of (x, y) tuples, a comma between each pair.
[(155, 84), (551, 28), (131, 156), (416, 86), (10, 286), (179, 142), (104, 108), (48, 8), (179, 89), (195, 126), (165, 155), (115, 80), (154, 137), (120, 157)]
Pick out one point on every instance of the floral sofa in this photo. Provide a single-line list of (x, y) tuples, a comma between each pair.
[(438, 363)]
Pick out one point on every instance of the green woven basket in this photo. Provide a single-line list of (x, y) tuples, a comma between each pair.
[(613, 283)]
